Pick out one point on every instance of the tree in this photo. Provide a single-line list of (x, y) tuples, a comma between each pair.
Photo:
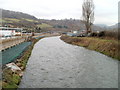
[(88, 14)]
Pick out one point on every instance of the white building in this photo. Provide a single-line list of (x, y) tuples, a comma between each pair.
[(5, 31)]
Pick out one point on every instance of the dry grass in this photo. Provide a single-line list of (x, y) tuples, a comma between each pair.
[(114, 34), (105, 46)]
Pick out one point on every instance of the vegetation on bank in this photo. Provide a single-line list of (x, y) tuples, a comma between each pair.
[(111, 34), (106, 46), (12, 79)]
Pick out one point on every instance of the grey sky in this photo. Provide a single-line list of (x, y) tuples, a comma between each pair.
[(106, 11)]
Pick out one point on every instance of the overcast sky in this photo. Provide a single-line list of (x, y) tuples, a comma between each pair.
[(106, 11)]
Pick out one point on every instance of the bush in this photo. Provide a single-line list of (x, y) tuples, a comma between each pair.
[(93, 34), (10, 79), (112, 34), (101, 34)]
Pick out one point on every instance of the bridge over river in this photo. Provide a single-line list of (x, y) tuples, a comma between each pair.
[(56, 64)]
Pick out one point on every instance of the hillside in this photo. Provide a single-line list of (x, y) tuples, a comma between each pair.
[(31, 23), (18, 19), (115, 26), (71, 24), (16, 15)]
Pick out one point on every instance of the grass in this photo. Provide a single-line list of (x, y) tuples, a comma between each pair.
[(44, 25), (10, 80), (27, 54), (11, 19), (105, 46), (30, 20), (2, 20)]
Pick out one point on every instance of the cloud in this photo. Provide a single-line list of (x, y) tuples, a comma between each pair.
[(105, 10)]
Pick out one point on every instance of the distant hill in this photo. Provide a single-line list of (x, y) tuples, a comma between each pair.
[(115, 26), (71, 24), (102, 25), (31, 23), (16, 15), (19, 19)]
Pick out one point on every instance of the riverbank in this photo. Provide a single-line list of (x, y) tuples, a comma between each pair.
[(11, 42), (105, 46), (55, 64), (12, 79)]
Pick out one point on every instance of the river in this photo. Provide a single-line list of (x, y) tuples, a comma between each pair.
[(56, 64)]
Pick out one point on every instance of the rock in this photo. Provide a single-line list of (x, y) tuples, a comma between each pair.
[(18, 64), (60, 78), (13, 67), (22, 68), (18, 60), (42, 69), (113, 49), (21, 74)]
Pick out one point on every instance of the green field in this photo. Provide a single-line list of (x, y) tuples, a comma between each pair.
[(2, 20), (29, 20), (44, 25), (11, 19)]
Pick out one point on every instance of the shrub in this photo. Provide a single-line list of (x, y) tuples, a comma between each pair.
[(101, 34), (112, 34), (10, 79), (93, 34)]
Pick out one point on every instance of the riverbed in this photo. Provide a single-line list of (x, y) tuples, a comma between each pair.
[(56, 64)]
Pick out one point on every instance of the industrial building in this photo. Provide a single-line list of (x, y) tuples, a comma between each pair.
[(8, 32)]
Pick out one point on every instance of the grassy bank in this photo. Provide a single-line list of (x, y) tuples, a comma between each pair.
[(105, 46), (12, 79)]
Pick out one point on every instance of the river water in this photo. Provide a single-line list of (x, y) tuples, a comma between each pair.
[(56, 64)]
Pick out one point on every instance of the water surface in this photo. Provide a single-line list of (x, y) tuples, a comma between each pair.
[(56, 64)]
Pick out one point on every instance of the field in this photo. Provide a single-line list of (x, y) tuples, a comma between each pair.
[(44, 25), (29, 20), (11, 20)]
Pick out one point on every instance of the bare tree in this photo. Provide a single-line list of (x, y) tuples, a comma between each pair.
[(88, 14)]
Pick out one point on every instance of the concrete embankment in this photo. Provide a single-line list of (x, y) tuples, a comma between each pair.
[(7, 43)]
